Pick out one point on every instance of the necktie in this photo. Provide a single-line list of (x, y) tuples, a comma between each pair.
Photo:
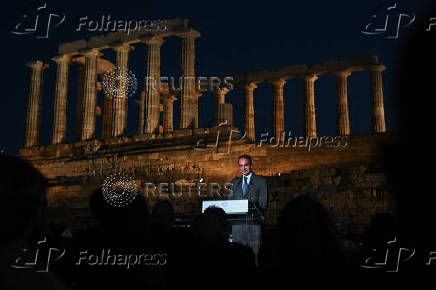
[(244, 186)]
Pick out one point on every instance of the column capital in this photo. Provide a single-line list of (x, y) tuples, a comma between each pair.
[(221, 91), (278, 82), (341, 73), (37, 64), (168, 98), (88, 52), (120, 46), (379, 67), (63, 58), (191, 33), (249, 86), (309, 77), (153, 40)]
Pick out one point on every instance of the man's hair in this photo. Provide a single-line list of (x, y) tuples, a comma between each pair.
[(245, 156)]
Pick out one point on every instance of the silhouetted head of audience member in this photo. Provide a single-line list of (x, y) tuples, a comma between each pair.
[(381, 228), (131, 217), (23, 200), (307, 240), (162, 214), (22, 220), (211, 227)]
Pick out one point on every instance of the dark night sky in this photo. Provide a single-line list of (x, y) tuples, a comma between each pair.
[(237, 37)]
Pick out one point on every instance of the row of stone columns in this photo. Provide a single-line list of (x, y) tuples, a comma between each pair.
[(115, 117), (115, 104), (342, 119)]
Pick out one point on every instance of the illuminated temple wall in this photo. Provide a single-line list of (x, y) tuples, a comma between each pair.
[(349, 180)]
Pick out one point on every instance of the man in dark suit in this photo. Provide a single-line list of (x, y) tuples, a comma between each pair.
[(252, 187)]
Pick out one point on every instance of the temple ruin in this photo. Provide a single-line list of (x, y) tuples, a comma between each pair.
[(349, 180)]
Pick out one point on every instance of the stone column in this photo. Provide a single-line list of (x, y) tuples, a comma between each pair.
[(108, 109), (249, 111), (34, 106), (187, 118), (342, 116), (119, 124), (168, 101), (197, 95), (278, 108), (309, 105), (220, 99), (80, 87), (152, 97), (141, 120), (378, 110), (89, 94), (60, 101)]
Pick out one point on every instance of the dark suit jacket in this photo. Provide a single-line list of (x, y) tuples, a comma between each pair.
[(256, 191)]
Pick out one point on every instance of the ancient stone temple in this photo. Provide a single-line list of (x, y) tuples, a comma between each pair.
[(344, 172)]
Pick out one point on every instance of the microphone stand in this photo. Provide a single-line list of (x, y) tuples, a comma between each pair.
[(257, 210)]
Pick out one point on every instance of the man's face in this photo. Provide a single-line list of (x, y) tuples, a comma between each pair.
[(244, 166)]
